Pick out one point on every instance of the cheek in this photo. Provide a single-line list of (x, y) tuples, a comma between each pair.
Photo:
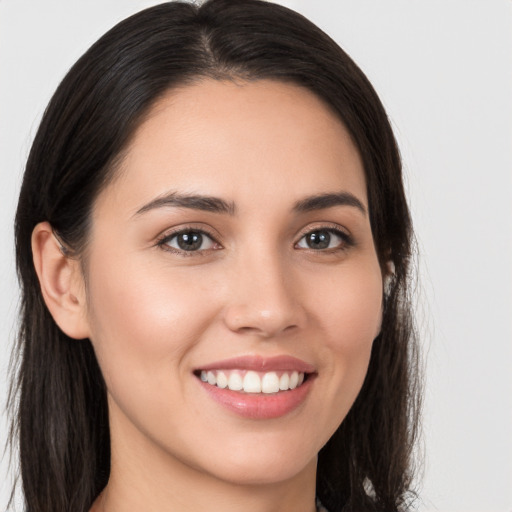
[(351, 315), (142, 323), (351, 309)]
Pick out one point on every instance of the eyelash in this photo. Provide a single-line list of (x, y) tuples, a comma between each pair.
[(346, 240), (163, 242)]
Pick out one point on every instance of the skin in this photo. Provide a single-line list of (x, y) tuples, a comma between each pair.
[(154, 315)]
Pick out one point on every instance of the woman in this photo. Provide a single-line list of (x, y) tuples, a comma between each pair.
[(213, 247)]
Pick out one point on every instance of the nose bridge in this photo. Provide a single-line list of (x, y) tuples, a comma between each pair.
[(263, 299)]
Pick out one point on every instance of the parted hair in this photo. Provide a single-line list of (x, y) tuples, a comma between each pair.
[(58, 397)]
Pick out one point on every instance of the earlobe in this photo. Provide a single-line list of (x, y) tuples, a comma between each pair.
[(61, 282)]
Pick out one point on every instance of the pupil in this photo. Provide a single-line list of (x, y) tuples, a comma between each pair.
[(190, 241), (319, 240)]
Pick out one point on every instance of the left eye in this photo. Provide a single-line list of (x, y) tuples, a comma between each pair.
[(322, 239), (189, 241)]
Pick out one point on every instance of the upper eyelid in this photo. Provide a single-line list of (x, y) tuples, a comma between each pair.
[(326, 226), (171, 232)]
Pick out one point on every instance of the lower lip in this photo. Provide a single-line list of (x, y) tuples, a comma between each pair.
[(260, 405)]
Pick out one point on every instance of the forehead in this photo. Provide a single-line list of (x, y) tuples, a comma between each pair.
[(224, 138)]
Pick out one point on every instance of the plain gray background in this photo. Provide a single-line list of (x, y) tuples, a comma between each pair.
[(443, 69)]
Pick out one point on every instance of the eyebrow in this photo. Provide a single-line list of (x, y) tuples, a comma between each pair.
[(218, 205), (322, 201), (192, 201)]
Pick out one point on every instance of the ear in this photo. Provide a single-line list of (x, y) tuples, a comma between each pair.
[(388, 272), (388, 276), (61, 281)]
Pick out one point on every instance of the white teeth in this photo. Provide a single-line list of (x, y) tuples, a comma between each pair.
[(270, 383), (284, 382), (252, 383), (235, 382), (294, 380), (222, 380)]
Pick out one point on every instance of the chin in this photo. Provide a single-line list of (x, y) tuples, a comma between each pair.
[(264, 461), (263, 471)]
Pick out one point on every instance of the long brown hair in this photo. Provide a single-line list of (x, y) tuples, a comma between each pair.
[(58, 396)]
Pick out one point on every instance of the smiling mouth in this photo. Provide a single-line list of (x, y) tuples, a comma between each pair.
[(254, 382), (257, 387)]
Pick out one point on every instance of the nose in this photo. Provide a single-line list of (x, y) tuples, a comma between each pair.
[(264, 299)]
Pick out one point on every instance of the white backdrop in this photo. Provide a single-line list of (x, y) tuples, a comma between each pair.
[(444, 71)]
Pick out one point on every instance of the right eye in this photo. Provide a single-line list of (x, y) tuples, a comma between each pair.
[(188, 241)]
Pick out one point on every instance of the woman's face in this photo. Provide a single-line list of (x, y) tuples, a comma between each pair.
[(234, 247)]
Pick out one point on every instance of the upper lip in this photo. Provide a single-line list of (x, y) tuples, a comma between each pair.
[(261, 364)]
